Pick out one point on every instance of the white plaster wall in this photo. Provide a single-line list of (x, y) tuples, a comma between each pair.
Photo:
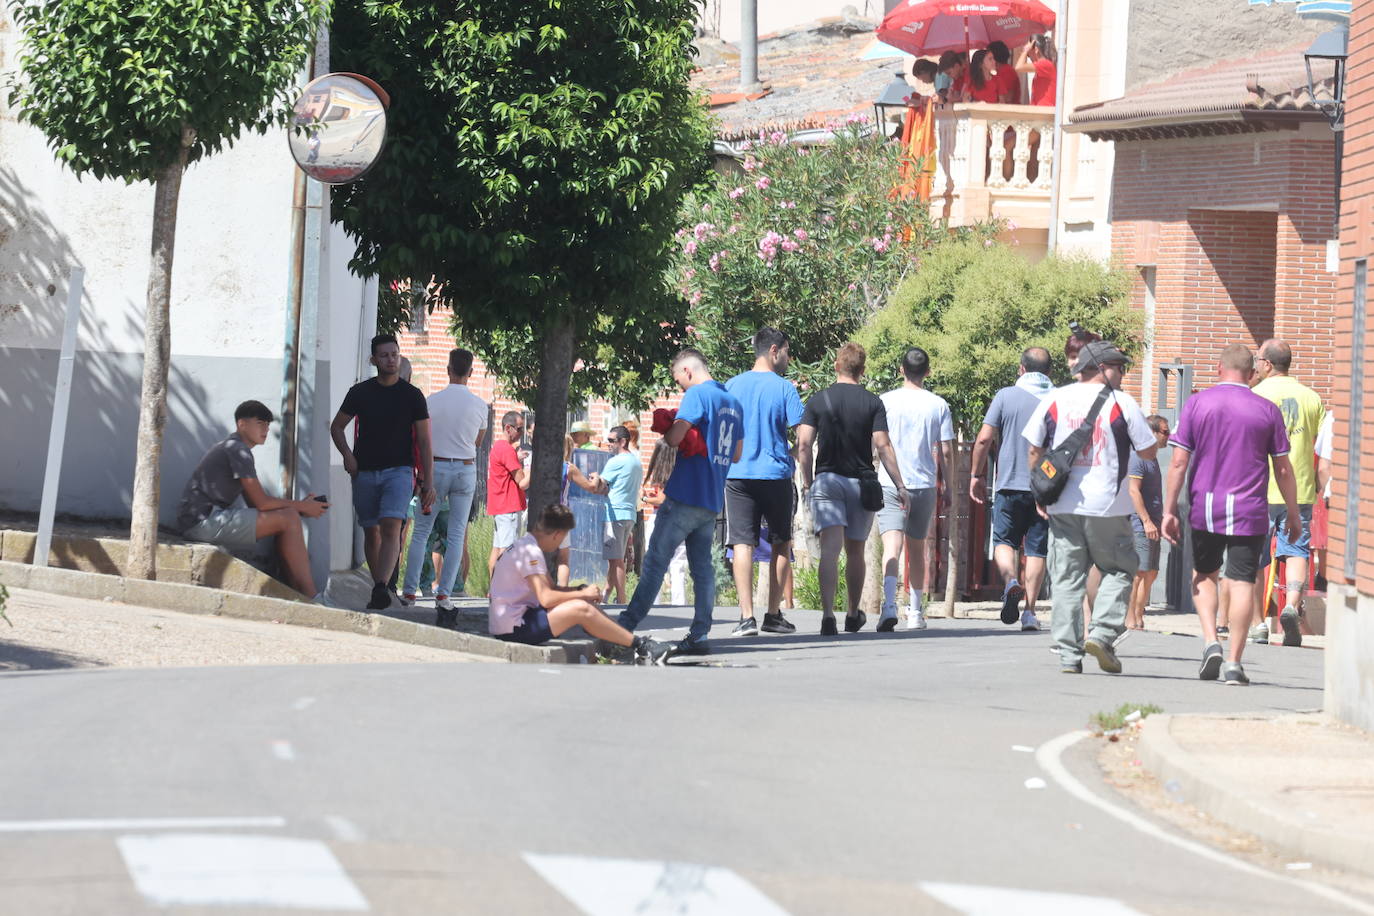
[(775, 15)]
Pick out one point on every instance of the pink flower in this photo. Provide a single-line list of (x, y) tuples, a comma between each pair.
[(737, 193), (828, 218), (690, 247), (852, 287), (987, 243), (690, 273), (1012, 225), (787, 205), (700, 230), (778, 137), (763, 183), (801, 235), (696, 297), (750, 163), (715, 261), (789, 245), (732, 230), (691, 329)]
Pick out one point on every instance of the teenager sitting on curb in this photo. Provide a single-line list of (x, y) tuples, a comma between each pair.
[(526, 606), (207, 511)]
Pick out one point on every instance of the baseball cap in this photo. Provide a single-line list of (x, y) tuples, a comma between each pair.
[(1099, 353)]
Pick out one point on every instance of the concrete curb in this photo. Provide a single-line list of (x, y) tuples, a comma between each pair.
[(1168, 760), (195, 599)]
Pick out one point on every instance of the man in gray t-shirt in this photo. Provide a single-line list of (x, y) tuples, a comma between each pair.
[(209, 509), (1016, 525)]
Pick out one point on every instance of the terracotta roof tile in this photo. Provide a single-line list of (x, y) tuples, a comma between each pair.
[(1269, 81)]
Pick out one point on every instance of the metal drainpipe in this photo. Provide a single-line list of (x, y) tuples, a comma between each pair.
[(749, 45), (1061, 41)]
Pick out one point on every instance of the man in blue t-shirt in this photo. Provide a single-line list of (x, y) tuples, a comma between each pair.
[(622, 476), (708, 432), (759, 487)]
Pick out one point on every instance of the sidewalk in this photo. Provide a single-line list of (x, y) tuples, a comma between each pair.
[(1165, 622), (1303, 784), (52, 632)]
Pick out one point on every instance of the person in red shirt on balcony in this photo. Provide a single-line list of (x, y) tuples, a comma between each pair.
[(954, 67), (984, 86), (1037, 59), (1007, 77)]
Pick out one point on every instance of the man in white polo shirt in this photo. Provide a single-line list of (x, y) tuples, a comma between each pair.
[(458, 422)]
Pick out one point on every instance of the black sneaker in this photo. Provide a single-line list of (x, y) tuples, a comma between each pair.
[(776, 623), (1234, 675), (853, 623), (1071, 668), (1011, 603), (1106, 657), (1223, 632), (649, 651), (1291, 621), (381, 597), (1211, 662), (692, 647), (447, 619), (887, 625), (828, 627)]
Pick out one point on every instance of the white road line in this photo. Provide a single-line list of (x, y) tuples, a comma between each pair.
[(344, 829), (1048, 756), (190, 869), (973, 900), (627, 887), (140, 823), (303, 703), (283, 750)]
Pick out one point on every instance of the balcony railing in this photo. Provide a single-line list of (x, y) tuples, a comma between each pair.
[(993, 161)]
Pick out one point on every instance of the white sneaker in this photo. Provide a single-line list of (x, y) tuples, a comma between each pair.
[(443, 603), (1029, 621), (915, 620)]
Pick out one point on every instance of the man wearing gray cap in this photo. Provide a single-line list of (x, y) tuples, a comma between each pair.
[(1090, 520)]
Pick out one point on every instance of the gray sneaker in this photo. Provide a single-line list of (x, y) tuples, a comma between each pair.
[(1106, 657), (1211, 662), (1071, 668), (747, 626), (1234, 675), (1260, 632), (1290, 620)]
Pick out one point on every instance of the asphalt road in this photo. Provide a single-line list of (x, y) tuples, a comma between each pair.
[(853, 774)]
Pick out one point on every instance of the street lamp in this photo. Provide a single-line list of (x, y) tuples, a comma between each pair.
[(1329, 46), (896, 95)]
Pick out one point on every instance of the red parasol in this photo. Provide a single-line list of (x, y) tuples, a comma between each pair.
[(924, 27)]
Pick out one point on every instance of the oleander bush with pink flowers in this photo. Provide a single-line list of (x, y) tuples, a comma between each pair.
[(810, 239)]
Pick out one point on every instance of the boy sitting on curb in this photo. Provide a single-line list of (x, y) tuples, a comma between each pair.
[(526, 606)]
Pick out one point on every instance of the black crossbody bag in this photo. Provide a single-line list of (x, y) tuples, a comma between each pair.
[(1051, 474), (870, 490)]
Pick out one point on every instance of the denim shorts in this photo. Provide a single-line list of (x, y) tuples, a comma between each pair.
[(533, 629), (1016, 523), (1302, 547), (1147, 551), (382, 494)]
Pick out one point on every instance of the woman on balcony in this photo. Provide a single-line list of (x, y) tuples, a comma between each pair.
[(1006, 73), (984, 86), (1037, 59)]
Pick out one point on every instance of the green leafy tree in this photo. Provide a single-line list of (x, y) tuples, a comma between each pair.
[(539, 155), (974, 305), (809, 239), (136, 90)]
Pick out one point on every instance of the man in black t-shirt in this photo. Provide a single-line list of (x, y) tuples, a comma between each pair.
[(393, 423), (850, 423)]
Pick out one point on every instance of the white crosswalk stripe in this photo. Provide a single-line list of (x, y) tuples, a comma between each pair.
[(974, 900), (190, 869), (628, 887)]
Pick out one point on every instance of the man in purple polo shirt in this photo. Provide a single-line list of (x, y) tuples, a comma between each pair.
[(1228, 434)]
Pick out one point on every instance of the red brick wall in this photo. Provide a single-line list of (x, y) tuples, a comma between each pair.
[(1237, 229), (428, 351), (1357, 241)]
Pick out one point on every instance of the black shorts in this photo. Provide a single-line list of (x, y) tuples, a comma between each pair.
[(533, 629), (1242, 553), (749, 501)]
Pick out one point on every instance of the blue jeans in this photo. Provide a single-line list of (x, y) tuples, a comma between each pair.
[(676, 523), (454, 483)]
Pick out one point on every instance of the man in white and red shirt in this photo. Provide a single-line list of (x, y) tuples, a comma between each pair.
[(1090, 523), (1227, 435)]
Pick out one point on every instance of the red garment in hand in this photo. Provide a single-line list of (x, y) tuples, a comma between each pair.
[(691, 444), (663, 420)]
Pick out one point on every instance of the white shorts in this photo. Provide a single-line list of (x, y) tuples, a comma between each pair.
[(509, 527)]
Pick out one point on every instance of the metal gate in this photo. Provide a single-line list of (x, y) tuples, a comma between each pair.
[(1175, 587)]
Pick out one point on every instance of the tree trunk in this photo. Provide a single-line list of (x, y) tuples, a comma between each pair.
[(157, 349), (871, 598), (958, 534), (806, 546), (551, 411)]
